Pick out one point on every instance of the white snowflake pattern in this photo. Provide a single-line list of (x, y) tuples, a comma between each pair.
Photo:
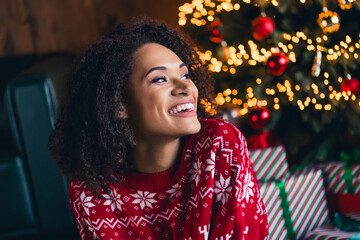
[(113, 199), (174, 190), (86, 202), (247, 187), (144, 198), (211, 164), (195, 171), (222, 189)]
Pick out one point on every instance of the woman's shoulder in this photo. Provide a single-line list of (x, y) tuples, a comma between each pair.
[(221, 128), (78, 188)]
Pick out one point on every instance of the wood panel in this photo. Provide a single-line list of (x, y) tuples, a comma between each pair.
[(45, 26)]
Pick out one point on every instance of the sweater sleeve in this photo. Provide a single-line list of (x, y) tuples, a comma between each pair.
[(241, 213), (79, 204), (245, 224)]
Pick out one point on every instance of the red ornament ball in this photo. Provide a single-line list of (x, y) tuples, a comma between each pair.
[(277, 63), (262, 27), (350, 84), (259, 118), (214, 29)]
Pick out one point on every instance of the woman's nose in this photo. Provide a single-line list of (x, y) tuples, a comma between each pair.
[(181, 87)]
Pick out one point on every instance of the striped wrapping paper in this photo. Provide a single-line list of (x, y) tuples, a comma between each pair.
[(342, 178), (269, 163), (270, 193), (305, 195), (330, 232)]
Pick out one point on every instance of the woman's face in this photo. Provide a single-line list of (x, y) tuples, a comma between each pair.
[(163, 99)]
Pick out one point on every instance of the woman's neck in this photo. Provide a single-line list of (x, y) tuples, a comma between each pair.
[(156, 155)]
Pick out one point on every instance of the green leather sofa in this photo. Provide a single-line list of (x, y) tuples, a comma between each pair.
[(33, 192)]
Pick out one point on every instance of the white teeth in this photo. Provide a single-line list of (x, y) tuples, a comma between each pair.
[(182, 107)]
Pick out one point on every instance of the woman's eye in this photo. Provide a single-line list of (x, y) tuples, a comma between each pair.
[(159, 80), (186, 76)]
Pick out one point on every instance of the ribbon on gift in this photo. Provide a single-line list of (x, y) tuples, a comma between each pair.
[(285, 206), (262, 140), (274, 197), (299, 200), (350, 159), (353, 157), (342, 178)]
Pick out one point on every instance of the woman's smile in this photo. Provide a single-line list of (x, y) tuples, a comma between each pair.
[(183, 109)]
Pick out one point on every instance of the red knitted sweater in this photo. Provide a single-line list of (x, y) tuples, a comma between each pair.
[(210, 194)]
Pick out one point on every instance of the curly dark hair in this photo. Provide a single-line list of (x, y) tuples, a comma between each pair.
[(89, 141)]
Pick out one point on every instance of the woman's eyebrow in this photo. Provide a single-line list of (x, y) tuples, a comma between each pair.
[(182, 65), (162, 68), (155, 68)]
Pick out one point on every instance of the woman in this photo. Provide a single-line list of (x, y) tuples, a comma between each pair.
[(143, 165)]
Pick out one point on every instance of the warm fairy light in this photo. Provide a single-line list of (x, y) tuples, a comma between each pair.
[(348, 39), (232, 70), (275, 3), (227, 92), (318, 106), (292, 56), (327, 107), (209, 107)]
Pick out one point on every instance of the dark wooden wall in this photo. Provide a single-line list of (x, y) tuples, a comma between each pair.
[(46, 26)]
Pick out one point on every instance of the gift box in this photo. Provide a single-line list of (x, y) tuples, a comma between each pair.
[(343, 203), (296, 205), (269, 163), (275, 209), (307, 202), (342, 178), (330, 231)]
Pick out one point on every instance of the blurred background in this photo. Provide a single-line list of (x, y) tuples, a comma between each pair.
[(287, 75)]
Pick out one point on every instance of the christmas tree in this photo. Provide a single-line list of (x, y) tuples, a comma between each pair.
[(288, 67)]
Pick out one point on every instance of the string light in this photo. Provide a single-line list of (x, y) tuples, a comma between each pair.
[(200, 12)]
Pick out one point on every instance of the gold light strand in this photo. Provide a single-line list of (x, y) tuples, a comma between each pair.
[(199, 12)]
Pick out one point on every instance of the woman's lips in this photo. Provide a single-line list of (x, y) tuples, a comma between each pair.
[(183, 109)]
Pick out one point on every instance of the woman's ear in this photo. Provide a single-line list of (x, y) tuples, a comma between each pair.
[(121, 112)]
